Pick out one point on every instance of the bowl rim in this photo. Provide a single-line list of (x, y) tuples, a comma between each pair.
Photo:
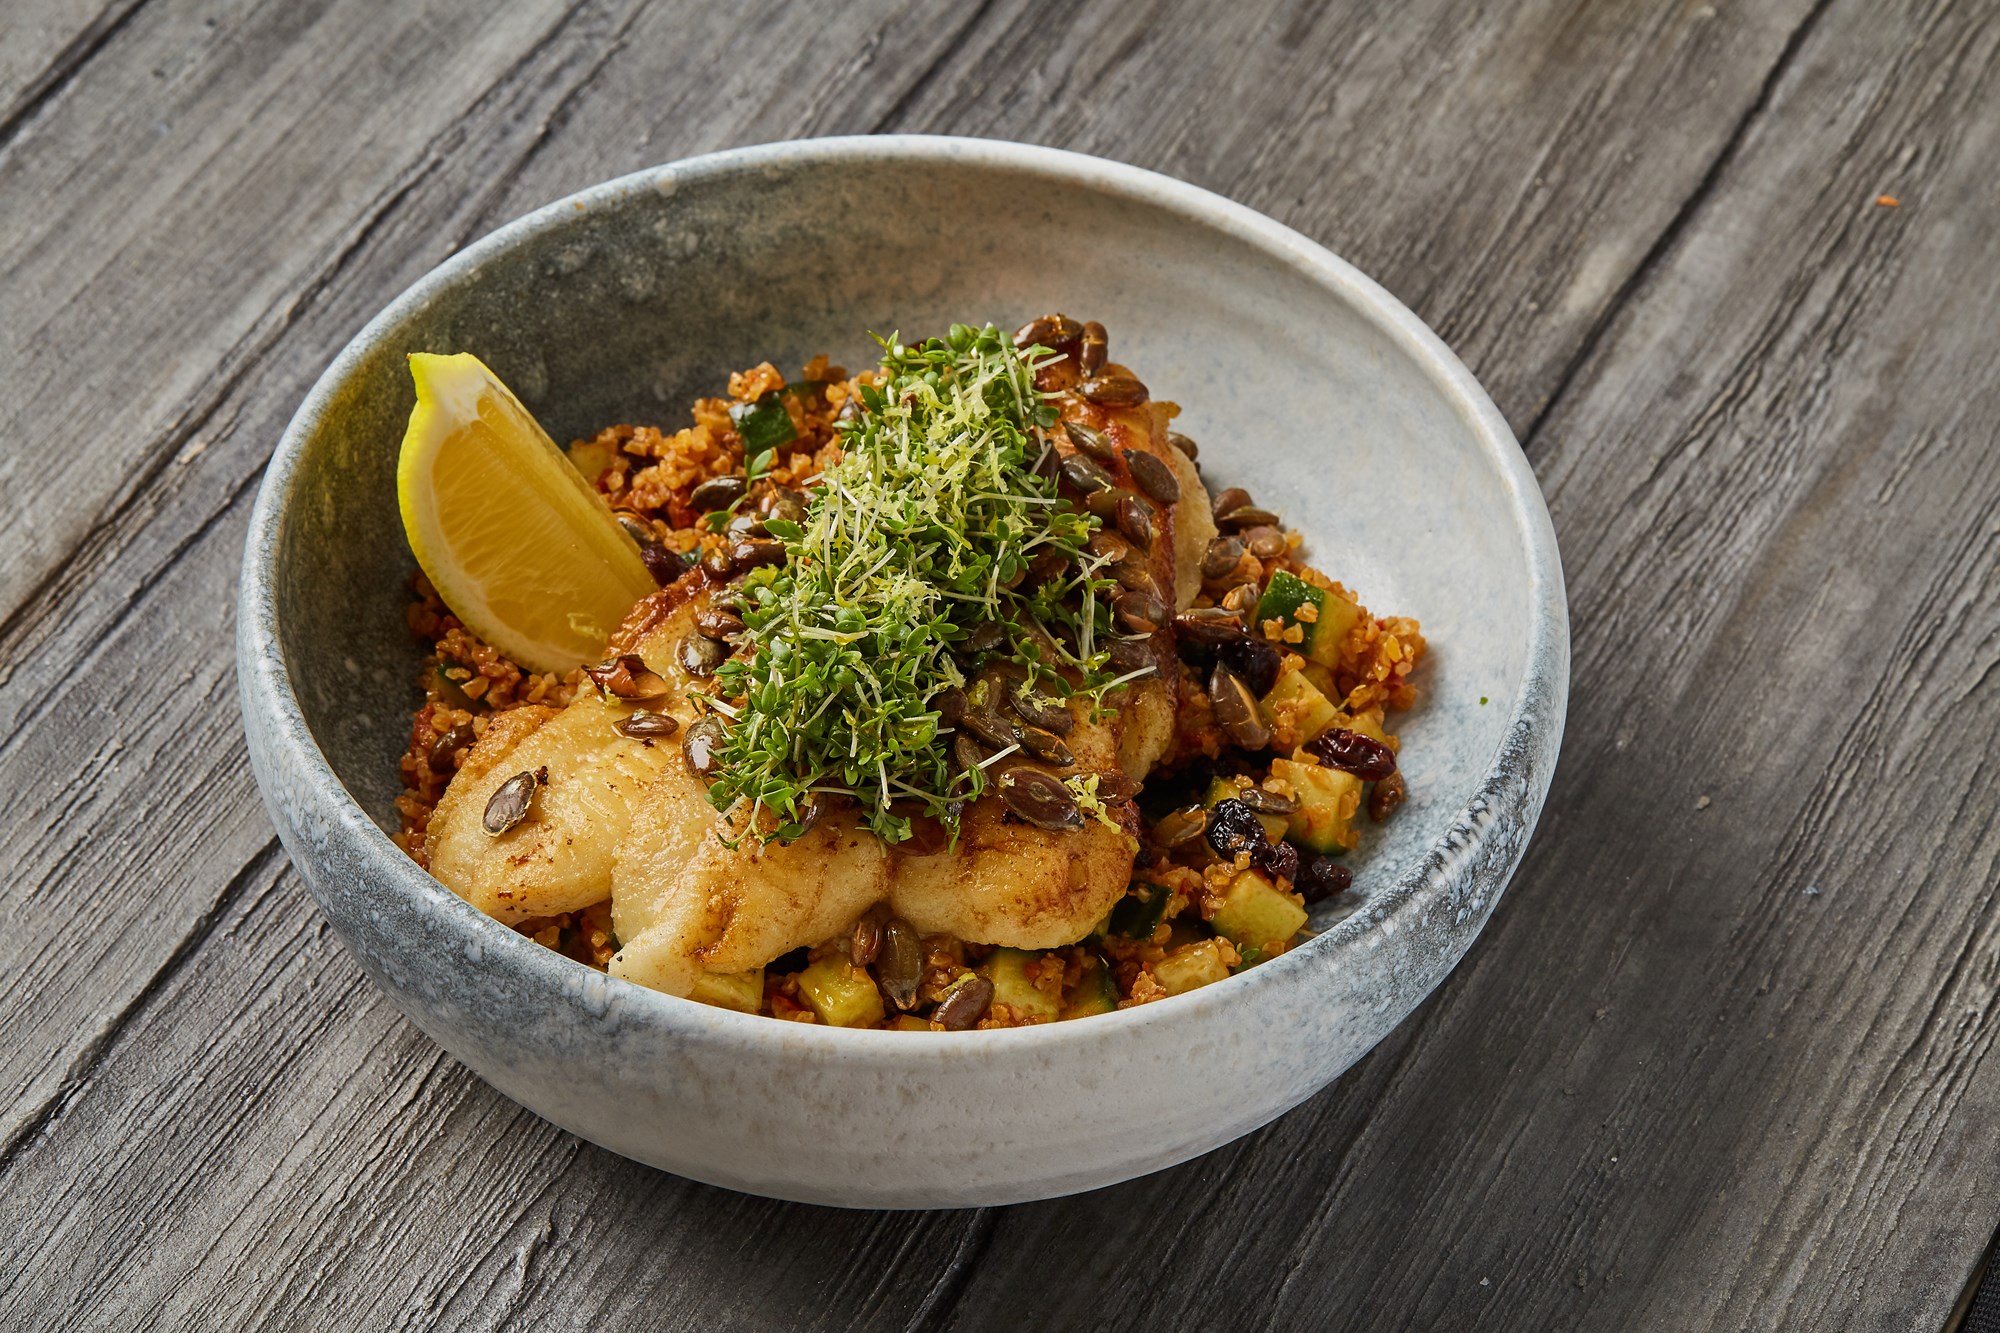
[(1525, 757)]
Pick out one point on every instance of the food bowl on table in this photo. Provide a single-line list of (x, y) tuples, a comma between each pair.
[(1305, 383)]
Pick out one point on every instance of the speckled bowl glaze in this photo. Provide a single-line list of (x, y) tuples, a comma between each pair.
[(1303, 381)]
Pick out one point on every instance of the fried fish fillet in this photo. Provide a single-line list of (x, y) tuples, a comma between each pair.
[(628, 821)]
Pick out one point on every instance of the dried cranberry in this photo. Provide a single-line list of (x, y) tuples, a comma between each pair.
[(1321, 877), (1351, 752), (1233, 828), (1254, 661), (1278, 859)]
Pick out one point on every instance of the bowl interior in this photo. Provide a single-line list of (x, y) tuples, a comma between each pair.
[(627, 304)]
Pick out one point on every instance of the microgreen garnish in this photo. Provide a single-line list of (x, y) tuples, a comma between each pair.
[(921, 534)]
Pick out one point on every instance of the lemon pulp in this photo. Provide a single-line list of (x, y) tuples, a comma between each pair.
[(514, 539)]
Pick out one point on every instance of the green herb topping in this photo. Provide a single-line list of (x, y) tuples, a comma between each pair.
[(920, 535)]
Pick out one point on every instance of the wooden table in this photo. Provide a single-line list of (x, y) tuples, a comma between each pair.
[(1724, 1058)]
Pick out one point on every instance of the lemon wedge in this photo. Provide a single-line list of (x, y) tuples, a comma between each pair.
[(516, 542)]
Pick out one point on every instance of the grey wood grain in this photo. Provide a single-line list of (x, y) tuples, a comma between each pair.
[(1724, 1059), (344, 1172), (47, 42), (1670, 1087), (144, 596)]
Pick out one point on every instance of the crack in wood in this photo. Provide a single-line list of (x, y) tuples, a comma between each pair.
[(940, 1302), (922, 83), (64, 68), (1664, 243)]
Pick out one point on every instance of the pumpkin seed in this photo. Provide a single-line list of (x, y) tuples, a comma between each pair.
[(646, 725), (627, 677), (1046, 746), (990, 635), (700, 655), (1228, 501), (1179, 827), (1104, 503), (700, 745), (1266, 543), (1050, 331), (1113, 391), (1115, 786), (1129, 655), (1085, 475), (1184, 444), (511, 800), (446, 747), (1140, 612), (1208, 626), (1043, 710), (1221, 558), (1248, 516), (1267, 802), (1040, 799), (899, 967), (715, 564), (717, 493), (1135, 519), (717, 623), (1154, 477), (1108, 546), (754, 552), (965, 1005), (864, 946), (1096, 347), (1236, 709), (1091, 441), (965, 752), (991, 728), (663, 562)]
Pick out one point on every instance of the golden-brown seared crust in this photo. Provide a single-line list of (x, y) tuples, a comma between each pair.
[(559, 858), (683, 902)]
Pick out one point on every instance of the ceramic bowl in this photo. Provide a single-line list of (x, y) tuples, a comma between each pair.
[(1303, 381)]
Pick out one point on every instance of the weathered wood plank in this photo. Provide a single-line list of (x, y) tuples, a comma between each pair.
[(325, 1165), (146, 599), (1500, 168), (1451, 1143), (48, 41), (1725, 1057)]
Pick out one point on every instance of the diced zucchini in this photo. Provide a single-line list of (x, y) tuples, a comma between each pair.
[(1328, 800), (1222, 789), (1296, 711), (841, 993), (1321, 629), (1257, 915), (1283, 596), (1007, 969), (1336, 619), (1137, 915), (1095, 992), (741, 991), (1322, 680), (1190, 966)]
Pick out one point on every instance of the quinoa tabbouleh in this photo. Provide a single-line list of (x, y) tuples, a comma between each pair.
[(961, 703)]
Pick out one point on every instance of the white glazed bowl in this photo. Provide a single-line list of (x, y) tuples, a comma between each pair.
[(1302, 380)]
